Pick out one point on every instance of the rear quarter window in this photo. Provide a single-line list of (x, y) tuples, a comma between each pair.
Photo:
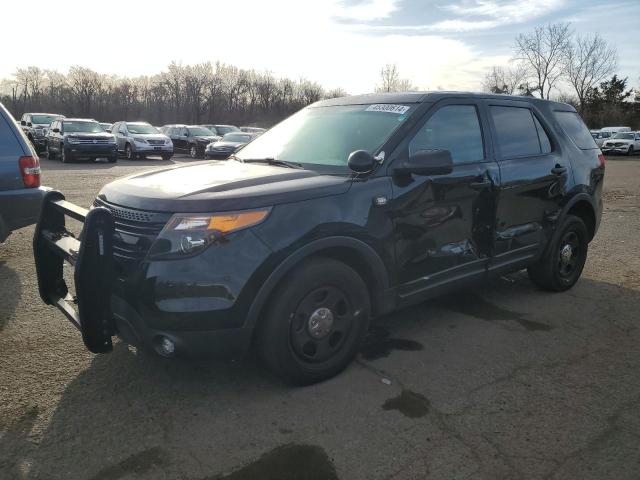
[(10, 147), (575, 128)]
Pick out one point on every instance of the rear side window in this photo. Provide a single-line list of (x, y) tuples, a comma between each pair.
[(455, 128), (9, 144), (545, 144), (516, 132), (573, 126)]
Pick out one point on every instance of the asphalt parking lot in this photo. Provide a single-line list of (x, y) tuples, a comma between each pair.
[(501, 381)]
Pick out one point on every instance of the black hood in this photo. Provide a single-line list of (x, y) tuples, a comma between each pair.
[(220, 186), (90, 136)]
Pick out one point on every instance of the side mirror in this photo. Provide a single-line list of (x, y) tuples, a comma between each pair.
[(56, 130), (361, 161), (23, 123), (186, 134), (427, 162), (29, 124)]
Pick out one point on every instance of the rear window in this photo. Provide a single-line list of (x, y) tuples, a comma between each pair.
[(9, 144), (573, 126), (516, 132)]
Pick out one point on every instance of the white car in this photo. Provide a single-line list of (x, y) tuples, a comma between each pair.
[(622, 142)]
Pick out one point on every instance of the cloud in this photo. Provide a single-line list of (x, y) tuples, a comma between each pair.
[(367, 10), (504, 11)]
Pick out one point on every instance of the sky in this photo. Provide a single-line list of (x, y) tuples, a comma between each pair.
[(437, 44)]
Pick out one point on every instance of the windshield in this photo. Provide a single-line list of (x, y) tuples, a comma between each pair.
[(83, 127), (327, 135), (235, 137), (200, 132), (43, 119), (595, 134), (624, 136), (141, 128), (224, 130)]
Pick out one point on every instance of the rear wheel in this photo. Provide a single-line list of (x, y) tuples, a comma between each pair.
[(562, 264), (315, 324)]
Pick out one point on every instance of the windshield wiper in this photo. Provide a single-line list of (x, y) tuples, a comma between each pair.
[(273, 161)]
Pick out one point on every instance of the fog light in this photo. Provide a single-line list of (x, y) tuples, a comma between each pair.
[(166, 347)]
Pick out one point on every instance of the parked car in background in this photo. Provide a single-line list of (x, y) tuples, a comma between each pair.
[(614, 130), (221, 130), (626, 143), (106, 126), (254, 130), (600, 136), (228, 144), (35, 126), (140, 139), (191, 139), (20, 191), (294, 245), (79, 138)]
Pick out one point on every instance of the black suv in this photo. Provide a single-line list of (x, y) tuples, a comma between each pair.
[(79, 138), (36, 126), (298, 240), (191, 139)]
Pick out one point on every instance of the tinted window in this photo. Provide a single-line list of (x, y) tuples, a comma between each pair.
[(516, 132), (573, 126), (545, 144), (9, 145), (455, 128)]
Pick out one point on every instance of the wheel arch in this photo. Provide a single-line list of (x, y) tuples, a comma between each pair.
[(582, 206), (353, 252)]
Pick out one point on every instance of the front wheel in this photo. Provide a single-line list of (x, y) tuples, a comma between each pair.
[(64, 156), (561, 266), (50, 155), (193, 151), (128, 152), (315, 322), (630, 151)]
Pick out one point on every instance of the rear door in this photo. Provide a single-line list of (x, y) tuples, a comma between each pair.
[(533, 175), (443, 223)]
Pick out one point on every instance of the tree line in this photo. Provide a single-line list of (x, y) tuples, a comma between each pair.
[(192, 94), (578, 69)]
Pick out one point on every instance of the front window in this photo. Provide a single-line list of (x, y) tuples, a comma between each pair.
[(43, 119), (141, 128), (623, 136), (82, 127), (327, 135), (200, 132), (234, 137)]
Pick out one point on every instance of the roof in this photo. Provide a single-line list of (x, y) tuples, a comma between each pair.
[(78, 120), (426, 96)]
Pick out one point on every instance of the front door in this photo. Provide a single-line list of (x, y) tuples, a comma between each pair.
[(533, 178), (444, 223)]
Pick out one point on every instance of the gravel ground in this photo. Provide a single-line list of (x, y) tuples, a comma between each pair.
[(502, 381)]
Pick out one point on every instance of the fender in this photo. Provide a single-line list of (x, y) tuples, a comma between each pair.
[(381, 302), (575, 199)]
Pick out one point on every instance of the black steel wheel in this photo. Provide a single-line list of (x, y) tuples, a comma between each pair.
[(316, 321)]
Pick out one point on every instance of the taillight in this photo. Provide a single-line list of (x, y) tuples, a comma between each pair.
[(601, 159), (30, 170)]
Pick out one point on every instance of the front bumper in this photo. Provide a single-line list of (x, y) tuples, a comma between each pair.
[(612, 149), (91, 150), (218, 153), (147, 148)]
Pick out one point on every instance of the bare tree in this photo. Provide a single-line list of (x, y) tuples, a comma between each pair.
[(390, 80), (505, 80), (589, 60), (543, 51)]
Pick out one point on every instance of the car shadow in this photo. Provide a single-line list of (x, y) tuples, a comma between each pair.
[(134, 413), (10, 289)]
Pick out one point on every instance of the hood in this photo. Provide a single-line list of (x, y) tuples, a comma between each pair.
[(220, 186), (228, 144), (206, 138), (150, 136), (97, 136)]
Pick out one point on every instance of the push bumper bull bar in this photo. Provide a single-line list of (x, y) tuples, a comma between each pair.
[(91, 255)]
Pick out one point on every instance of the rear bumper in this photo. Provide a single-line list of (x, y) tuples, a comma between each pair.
[(19, 208)]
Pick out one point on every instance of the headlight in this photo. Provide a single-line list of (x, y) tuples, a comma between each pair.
[(139, 140), (74, 140), (189, 234), (168, 142)]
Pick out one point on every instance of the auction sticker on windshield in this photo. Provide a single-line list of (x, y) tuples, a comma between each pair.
[(387, 108)]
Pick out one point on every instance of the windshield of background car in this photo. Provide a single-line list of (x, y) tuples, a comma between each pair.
[(43, 119), (623, 136), (327, 135), (200, 132), (235, 137), (141, 128), (82, 127)]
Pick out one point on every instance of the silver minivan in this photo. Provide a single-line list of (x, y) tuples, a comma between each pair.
[(141, 139)]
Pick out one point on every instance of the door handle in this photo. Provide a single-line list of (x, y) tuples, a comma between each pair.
[(480, 184), (558, 170)]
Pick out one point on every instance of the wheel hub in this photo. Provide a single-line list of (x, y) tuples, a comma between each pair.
[(566, 253), (320, 323)]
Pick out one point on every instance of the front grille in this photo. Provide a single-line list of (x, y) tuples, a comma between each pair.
[(136, 230), (619, 144), (93, 141), (155, 142)]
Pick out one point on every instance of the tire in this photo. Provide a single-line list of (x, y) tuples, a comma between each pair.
[(630, 152), (557, 270), (193, 151), (315, 323), (166, 157), (113, 159), (64, 158), (128, 153), (50, 155)]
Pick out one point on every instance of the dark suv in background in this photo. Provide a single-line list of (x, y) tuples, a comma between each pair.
[(191, 139), (20, 191), (36, 126), (299, 239), (79, 138)]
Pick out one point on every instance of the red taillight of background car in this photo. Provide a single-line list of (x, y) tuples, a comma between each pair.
[(601, 159), (30, 170)]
